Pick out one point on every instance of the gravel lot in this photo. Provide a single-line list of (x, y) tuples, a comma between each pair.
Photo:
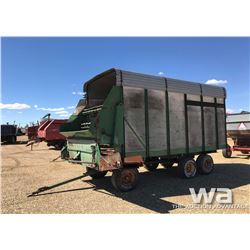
[(162, 191)]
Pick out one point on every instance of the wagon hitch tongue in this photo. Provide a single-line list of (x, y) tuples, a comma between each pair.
[(45, 188)]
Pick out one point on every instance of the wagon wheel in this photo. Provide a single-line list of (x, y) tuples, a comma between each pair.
[(187, 167), (125, 179), (205, 164), (227, 152), (151, 166)]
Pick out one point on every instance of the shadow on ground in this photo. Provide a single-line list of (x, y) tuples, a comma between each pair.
[(16, 143), (164, 183)]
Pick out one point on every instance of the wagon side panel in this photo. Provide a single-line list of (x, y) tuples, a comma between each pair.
[(157, 123), (134, 121), (177, 123), (209, 128), (194, 128)]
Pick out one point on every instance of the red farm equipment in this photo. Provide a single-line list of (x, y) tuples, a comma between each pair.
[(31, 132), (238, 129), (48, 131)]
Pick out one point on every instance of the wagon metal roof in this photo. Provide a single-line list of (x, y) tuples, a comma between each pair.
[(239, 117), (138, 80)]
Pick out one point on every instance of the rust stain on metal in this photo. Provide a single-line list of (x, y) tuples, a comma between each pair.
[(110, 160), (137, 159)]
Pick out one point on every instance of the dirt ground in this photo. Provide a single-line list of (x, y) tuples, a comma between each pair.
[(161, 191)]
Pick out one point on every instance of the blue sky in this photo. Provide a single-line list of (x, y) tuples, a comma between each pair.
[(45, 75)]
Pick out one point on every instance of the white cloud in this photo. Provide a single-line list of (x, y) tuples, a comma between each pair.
[(14, 106), (20, 112), (160, 73), (70, 107), (216, 82), (49, 109), (35, 106), (77, 93), (62, 112), (64, 115)]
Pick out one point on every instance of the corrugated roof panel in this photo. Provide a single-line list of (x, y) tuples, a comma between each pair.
[(142, 81), (214, 91), (238, 117), (183, 86), (139, 80)]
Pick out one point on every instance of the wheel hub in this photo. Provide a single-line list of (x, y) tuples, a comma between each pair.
[(190, 169), (208, 164), (127, 178)]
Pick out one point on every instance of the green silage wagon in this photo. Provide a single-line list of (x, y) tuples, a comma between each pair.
[(128, 120)]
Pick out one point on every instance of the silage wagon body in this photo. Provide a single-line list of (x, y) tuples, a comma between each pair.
[(131, 119)]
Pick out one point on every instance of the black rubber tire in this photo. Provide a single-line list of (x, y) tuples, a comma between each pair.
[(184, 167), (167, 164), (151, 166), (59, 145), (245, 152), (125, 179), (226, 152), (97, 174), (205, 164)]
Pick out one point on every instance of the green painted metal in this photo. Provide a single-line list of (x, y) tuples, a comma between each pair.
[(156, 153), (46, 188), (221, 146), (108, 117), (73, 128), (210, 148), (83, 150), (118, 138), (104, 126), (173, 152)]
